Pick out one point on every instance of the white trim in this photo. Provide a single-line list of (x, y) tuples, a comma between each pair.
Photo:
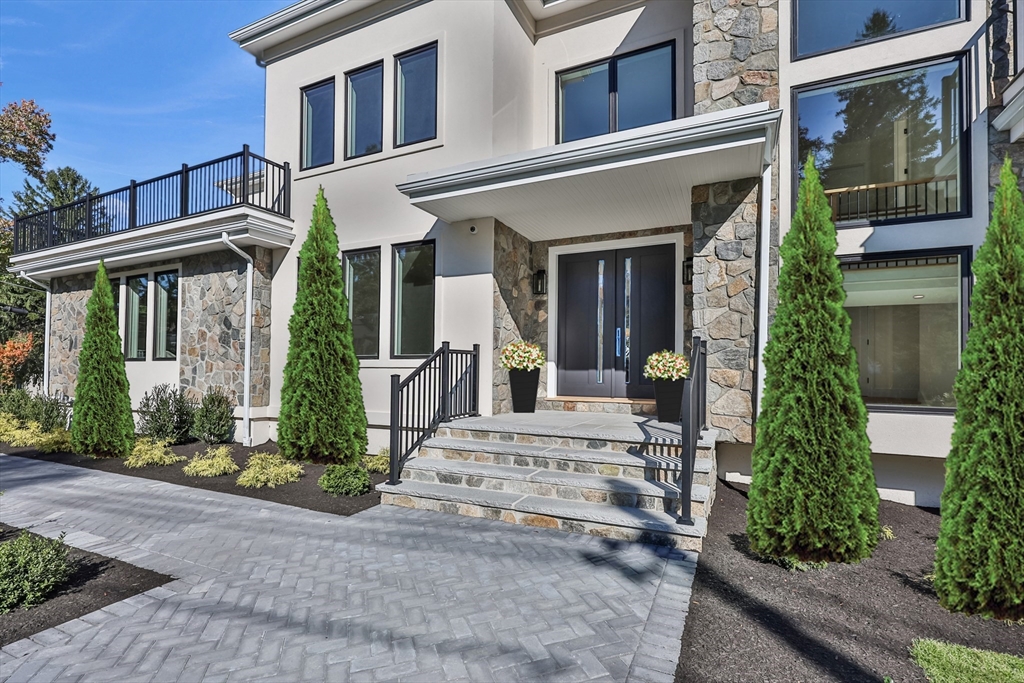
[(763, 279), (675, 238), (46, 330), (247, 361)]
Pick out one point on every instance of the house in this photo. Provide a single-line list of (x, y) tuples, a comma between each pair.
[(605, 178)]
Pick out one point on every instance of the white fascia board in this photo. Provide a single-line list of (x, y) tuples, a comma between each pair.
[(1011, 118), (288, 16)]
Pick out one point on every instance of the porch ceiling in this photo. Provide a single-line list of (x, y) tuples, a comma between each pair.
[(630, 180)]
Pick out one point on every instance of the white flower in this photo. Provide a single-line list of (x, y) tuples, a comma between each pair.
[(666, 365), (522, 355)]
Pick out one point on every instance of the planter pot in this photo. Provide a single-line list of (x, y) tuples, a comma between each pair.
[(668, 394), (523, 385)]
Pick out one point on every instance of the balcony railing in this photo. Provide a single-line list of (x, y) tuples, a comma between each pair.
[(902, 199), (238, 179)]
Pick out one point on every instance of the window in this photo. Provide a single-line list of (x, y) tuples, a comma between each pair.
[(907, 327), (318, 125), (362, 285), (822, 26), (888, 146), (136, 314), (365, 126), (115, 288), (165, 323), (416, 96), (620, 93), (413, 303)]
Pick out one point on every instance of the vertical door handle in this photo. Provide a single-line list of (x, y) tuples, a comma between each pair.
[(618, 342)]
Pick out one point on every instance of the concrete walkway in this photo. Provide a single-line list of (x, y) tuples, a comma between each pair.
[(271, 592)]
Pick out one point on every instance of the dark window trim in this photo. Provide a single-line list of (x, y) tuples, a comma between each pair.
[(348, 294), (437, 95), (966, 256), (965, 16), (302, 123), (177, 274), (613, 86), (394, 271), (966, 194), (348, 76), (124, 340)]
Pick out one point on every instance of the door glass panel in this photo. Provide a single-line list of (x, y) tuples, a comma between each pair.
[(136, 313), (600, 321), (644, 86), (628, 285), (583, 98)]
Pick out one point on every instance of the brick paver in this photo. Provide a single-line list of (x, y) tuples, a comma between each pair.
[(275, 593)]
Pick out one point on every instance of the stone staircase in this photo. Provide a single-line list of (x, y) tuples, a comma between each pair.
[(610, 475)]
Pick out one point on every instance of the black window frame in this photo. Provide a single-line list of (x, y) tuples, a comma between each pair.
[(348, 294), (435, 46), (177, 312), (394, 289), (966, 195), (302, 124), (145, 333), (965, 16), (348, 75), (613, 87), (965, 255)]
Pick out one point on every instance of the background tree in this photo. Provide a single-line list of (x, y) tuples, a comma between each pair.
[(322, 415), (812, 494), (979, 559), (102, 425), (25, 136), (878, 24), (56, 187)]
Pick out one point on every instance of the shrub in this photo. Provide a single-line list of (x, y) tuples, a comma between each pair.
[(149, 452), (16, 402), (9, 424), (812, 493), (380, 463), (31, 435), (31, 568), (979, 558), (50, 412), (268, 469), (214, 462), (214, 420), (344, 480), (165, 414), (103, 425), (949, 663), (322, 415)]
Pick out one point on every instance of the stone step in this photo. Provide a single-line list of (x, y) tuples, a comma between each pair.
[(651, 437)]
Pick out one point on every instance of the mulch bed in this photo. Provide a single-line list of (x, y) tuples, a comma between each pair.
[(98, 581), (304, 493), (754, 621)]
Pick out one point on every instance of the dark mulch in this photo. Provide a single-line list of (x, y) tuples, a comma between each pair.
[(98, 581), (304, 493), (755, 621)]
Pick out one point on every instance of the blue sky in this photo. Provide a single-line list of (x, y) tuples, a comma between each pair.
[(135, 87)]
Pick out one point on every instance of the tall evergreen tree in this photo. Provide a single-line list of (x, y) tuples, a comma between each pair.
[(322, 414), (57, 187), (102, 424), (812, 495), (979, 560)]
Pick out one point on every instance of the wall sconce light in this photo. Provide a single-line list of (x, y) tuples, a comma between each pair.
[(688, 271), (540, 282)]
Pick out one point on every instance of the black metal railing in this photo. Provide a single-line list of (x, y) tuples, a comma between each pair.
[(244, 178), (692, 422), (903, 199), (444, 387)]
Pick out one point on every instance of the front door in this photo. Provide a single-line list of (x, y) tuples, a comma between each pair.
[(615, 308)]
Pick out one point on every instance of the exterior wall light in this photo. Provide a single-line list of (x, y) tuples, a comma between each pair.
[(540, 282)]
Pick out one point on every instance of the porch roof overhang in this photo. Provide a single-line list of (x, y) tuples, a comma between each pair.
[(244, 225), (1011, 118), (630, 180)]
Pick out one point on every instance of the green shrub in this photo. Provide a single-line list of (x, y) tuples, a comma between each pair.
[(31, 568), (214, 462), (150, 452), (31, 435), (9, 425), (268, 469), (344, 480), (50, 412), (214, 420), (165, 414), (380, 463), (16, 402), (949, 663)]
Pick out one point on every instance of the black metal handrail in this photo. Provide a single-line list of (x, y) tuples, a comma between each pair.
[(444, 387), (692, 422), (243, 178)]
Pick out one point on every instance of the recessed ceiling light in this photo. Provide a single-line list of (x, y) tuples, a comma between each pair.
[(919, 296)]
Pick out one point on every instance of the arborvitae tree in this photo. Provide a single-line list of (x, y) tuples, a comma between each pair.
[(812, 495), (979, 559), (322, 415), (102, 424)]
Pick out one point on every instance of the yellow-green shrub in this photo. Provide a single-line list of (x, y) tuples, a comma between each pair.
[(268, 469), (149, 452), (212, 463), (57, 441), (380, 463), (30, 435), (8, 425)]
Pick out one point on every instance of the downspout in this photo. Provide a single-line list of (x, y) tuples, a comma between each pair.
[(247, 383), (763, 278), (46, 333)]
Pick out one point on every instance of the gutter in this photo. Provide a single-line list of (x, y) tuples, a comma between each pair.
[(46, 334), (247, 382)]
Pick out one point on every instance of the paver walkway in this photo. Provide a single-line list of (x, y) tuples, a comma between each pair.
[(271, 592)]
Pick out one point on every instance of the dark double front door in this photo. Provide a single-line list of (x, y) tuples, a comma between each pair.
[(615, 308)]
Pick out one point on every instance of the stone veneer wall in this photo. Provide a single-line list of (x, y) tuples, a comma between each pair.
[(1000, 72), (67, 323)]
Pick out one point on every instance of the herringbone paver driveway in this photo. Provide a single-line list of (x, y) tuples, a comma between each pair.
[(271, 592)]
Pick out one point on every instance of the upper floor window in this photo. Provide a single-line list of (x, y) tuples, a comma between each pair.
[(365, 128), (626, 91), (318, 125), (888, 146), (416, 96), (822, 26)]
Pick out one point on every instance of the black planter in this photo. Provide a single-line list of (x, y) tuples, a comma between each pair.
[(523, 385), (669, 396)]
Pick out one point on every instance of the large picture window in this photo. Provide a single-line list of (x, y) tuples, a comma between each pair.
[(416, 96), (888, 146), (136, 317), (362, 286), (822, 26), (318, 125), (413, 303), (165, 322), (365, 125)]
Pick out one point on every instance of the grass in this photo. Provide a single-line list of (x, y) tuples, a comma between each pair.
[(949, 663)]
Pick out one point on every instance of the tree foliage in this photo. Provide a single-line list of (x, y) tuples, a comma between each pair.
[(56, 187), (25, 136), (16, 296), (812, 495), (979, 565)]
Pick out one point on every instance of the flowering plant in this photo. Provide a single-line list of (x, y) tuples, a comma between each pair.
[(521, 355), (666, 365)]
